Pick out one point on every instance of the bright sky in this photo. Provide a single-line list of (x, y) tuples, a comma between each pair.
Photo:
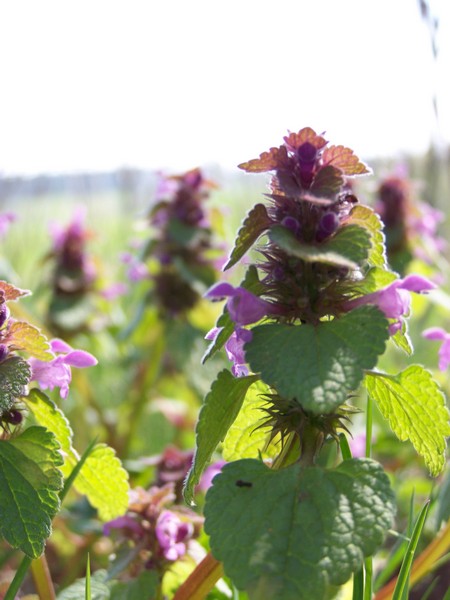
[(173, 84)]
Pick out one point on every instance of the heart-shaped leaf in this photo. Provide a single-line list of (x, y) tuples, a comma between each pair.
[(290, 534)]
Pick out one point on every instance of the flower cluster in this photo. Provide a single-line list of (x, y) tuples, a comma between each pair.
[(315, 261), (179, 259), (410, 226), (154, 531)]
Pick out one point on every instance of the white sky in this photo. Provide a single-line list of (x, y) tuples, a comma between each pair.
[(98, 84)]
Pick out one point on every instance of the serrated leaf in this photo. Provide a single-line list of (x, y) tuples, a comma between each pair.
[(220, 408), (327, 182), (365, 217), (29, 484), (12, 292), (415, 409), (246, 438), (103, 480), (15, 374), (307, 134), (319, 365), (402, 340), (26, 337), (275, 158), (375, 279), (48, 415), (344, 159), (291, 533), (256, 222), (286, 240)]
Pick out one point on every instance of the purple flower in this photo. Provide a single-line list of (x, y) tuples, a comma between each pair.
[(57, 372), (209, 473), (437, 333), (172, 534), (114, 290), (234, 348), (394, 300), (5, 221), (243, 306), (126, 522)]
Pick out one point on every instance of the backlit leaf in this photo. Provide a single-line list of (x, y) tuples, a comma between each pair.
[(365, 217), (29, 484), (48, 415), (295, 140), (275, 158), (15, 373), (12, 292), (319, 365), (220, 408), (289, 534), (103, 480), (26, 337), (256, 222), (415, 409), (344, 159), (246, 438)]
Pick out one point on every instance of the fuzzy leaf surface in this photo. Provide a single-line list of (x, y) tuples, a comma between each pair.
[(26, 337), (30, 480), (220, 408), (103, 480), (286, 240), (319, 365), (275, 158), (15, 373), (246, 438), (291, 533), (256, 222), (351, 241), (415, 409), (365, 217), (327, 182)]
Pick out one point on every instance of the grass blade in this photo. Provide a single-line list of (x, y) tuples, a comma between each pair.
[(403, 577)]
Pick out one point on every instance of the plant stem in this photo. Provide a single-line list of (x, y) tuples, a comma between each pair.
[(201, 581), (368, 569), (18, 578), (42, 578)]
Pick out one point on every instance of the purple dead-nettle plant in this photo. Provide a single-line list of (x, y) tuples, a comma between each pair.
[(179, 258), (303, 330)]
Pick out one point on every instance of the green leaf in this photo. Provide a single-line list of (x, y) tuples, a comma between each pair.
[(145, 585), (246, 438), (50, 416), (26, 337), (99, 588), (349, 247), (255, 223), (402, 340), (29, 484), (415, 409), (319, 365), (220, 408), (365, 217), (327, 182), (103, 480), (291, 533), (15, 373)]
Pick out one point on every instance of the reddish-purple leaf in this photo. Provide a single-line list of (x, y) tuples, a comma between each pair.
[(256, 222), (344, 159), (294, 140), (275, 158), (327, 182), (11, 292)]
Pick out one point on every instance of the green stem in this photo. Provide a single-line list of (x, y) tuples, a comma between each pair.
[(311, 441), (368, 587), (42, 579), (18, 578), (369, 427)]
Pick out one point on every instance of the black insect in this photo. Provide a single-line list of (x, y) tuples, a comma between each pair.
[(241, 483)]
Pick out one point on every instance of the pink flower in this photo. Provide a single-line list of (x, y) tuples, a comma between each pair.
[(394, 300), (208, 475), (57, 372), (439, 334), (243, 306), (234, 348), (172, 534)]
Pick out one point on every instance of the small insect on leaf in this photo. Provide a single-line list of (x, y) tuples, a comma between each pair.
[(241, 483)]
